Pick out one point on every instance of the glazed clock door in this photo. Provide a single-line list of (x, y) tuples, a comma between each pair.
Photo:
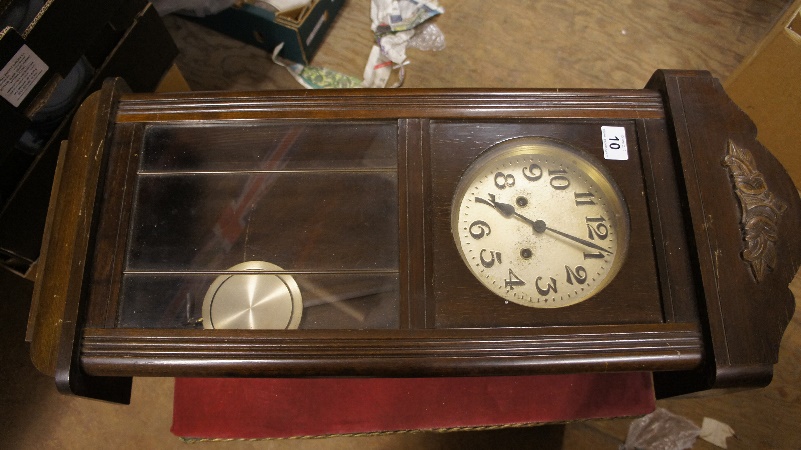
[(266, 225)]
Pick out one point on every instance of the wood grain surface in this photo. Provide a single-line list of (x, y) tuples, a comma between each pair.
[(570, 44)]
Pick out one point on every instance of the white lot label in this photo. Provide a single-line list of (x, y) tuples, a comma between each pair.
[(20, 75), (615, 143)]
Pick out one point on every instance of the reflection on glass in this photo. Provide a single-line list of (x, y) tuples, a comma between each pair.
[(299, 221), (288, 145), (337, 301), (314, 201)]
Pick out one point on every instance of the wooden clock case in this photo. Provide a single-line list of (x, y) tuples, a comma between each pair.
[(702, 299)]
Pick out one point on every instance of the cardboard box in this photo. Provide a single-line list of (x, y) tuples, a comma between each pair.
[(767, 86), (301, 30)]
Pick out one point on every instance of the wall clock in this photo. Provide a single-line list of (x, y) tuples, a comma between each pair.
[(555, 214), (416, 233)]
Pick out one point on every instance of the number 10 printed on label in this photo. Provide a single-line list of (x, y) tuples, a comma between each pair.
[(615, 143)]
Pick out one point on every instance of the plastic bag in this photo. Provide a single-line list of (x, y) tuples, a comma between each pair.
[(428, 37), (661, 430)]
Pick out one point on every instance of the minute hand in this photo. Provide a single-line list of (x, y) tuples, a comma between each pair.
[(540, 227)]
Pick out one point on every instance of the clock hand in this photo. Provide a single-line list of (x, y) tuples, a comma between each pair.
[(508, 210), (540, 227), (505, 209)]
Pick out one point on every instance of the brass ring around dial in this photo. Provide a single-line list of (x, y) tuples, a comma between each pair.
[(259, 301)]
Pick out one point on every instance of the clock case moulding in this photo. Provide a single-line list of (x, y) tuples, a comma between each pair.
[(702, 302)]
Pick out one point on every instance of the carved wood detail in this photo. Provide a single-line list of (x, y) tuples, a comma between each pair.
[(761, 210)]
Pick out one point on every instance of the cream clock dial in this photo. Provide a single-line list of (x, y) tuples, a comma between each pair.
[(540, 223)]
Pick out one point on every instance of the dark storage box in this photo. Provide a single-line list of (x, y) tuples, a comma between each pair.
[(300, 30), (50, 60)]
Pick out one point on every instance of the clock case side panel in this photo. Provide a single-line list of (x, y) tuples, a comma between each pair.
[(667, 216), (413, 207), (59, 301), (114, 212), (745, 305)]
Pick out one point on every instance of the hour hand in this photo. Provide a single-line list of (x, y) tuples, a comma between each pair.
[(505, 209)]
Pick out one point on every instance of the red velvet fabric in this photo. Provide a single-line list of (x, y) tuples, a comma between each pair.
[(280, 408)]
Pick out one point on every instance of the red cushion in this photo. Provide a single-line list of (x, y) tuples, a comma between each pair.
[(279, 408)]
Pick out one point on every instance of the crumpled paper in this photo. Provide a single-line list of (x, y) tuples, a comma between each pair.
[(715, 432), (397, 25), (392, 16), (394, 23)]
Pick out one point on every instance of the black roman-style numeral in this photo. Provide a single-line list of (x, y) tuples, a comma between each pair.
[(584, 198)]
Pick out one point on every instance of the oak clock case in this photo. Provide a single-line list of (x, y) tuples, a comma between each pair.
[(414, 233)]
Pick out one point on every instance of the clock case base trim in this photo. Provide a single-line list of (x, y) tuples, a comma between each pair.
[(125, 352)]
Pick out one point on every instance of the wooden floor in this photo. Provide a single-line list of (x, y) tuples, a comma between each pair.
[(572, 43)]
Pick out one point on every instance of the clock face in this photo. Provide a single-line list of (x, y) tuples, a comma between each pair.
[(540, 223)]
